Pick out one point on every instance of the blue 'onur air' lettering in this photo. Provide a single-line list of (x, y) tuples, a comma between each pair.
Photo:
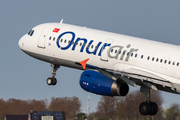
[(78, 39), (118, 48), (67, 47), (102, 48), (94, 52), (83, 44)]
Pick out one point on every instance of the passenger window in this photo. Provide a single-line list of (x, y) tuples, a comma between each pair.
[(115, 51), (148, 58), (49, 38), (84, 45), (61, 40), (65, 41), (92, 46), (88, 45), (54, 38), (77, 43), (57, 39), (131, 54), (80, 44), (153, 59), (111, 50), (165, 61), (173, 63), (119, 52), (178, 64), (69, 41), (141, 56), (161, 60), (136, 55), (124, 52), (169, 62), (128, 54), (157, 60)]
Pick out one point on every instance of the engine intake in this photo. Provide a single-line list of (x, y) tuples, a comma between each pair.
[(96, 82)]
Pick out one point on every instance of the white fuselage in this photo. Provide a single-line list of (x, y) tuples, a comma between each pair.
[(137, 58)]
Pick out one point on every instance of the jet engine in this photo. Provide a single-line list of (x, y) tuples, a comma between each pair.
[(97, 83)]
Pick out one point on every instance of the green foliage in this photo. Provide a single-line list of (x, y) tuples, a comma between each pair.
[(81, 116), (103, 118), (173, 113)]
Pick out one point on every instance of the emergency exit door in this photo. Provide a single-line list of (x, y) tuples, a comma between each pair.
[(104, 55)]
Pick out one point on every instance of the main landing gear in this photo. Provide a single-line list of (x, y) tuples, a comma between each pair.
[(52, 80), (148, 107)]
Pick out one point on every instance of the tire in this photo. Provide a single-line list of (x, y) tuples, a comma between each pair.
[(144, 108), (54, 81), (154, 108), (49, 81)]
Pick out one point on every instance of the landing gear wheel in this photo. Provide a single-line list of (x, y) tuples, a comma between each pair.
[(49, 81), (148, 107), (154, 108), (54, 81), (144, 108)]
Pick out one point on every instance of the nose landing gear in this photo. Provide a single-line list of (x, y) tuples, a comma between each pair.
[(52, 80)]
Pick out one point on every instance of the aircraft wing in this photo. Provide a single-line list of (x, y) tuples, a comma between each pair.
[(139, 76)]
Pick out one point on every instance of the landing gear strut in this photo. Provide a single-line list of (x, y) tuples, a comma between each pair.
[(148, 107), (52, 80)]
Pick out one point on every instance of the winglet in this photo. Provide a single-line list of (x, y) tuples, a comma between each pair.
[(83, 63)]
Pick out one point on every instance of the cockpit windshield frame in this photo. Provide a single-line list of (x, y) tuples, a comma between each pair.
[(30, 33)]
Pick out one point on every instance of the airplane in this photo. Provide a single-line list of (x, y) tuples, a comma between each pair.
[(110, 61)]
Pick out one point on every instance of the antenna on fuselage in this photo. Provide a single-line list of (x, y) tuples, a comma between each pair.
[(61, 21)]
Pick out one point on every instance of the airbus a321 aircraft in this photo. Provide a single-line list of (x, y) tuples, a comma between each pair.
[(110, 61)]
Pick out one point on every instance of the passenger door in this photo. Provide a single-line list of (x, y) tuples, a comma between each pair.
[(42, 38)]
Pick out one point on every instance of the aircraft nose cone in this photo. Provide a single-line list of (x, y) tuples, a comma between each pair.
[(21, 43)]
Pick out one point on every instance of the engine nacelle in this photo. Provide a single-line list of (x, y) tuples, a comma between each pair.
[(96, 82)]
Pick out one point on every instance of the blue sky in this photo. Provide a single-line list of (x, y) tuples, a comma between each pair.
[(23, 77)]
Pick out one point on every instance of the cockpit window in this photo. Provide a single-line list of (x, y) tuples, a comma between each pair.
[(30, 33)]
